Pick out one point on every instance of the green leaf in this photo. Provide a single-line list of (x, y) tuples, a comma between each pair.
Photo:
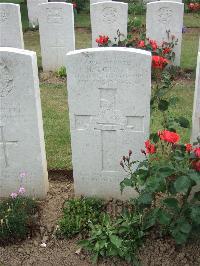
[(195, 214), (145, 198), (165, 171), (179, 237), (185, 227), (171, 203), (154, 137), (194, 175), (163, 105), (183, 122), (150, 218), (127, 182), (164, 217), (115, 240), (182, 184)]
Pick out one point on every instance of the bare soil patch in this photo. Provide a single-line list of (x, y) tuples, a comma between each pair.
[(156, 251)]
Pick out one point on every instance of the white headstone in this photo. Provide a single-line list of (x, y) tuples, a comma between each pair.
[(32, 6), (109, 106), (10, 26), (163, 17), (56, 24), (98, 1), (196, 105), (22, 146), (107, 18)]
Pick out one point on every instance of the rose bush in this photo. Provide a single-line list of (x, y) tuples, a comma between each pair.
[(164, 182)]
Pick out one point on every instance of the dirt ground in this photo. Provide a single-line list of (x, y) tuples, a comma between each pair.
[(156, 251)]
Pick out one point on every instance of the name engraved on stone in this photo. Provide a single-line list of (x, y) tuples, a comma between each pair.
[(6, 80), (165, 15), (55, 16), (9, 112), (3, 15), (109, 14), (4, 143)]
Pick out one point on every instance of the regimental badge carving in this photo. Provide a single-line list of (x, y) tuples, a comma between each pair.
[(165, 15), (109, 14), (6, 80), (55, 16), (3, 15)]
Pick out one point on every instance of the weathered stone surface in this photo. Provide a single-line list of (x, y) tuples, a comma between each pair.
[(32, 6), (196, 105), (109, 106), (107, 18), (22, 146), (10, 26), (179, 1), (56, 24), (164, 18)]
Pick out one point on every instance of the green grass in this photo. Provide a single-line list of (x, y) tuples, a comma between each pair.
[(56, 125)]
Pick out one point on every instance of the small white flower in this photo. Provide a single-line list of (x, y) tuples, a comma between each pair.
[(43, 245)]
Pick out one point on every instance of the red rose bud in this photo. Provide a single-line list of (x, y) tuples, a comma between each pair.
[(130, 153), (143, 151), (150, 148), (124, 158), (188, 147), (121, 163)]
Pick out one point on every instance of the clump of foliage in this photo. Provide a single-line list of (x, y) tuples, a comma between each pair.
[(115, 238), (17, 217), (61, 72), (77, 214), (164, 182)]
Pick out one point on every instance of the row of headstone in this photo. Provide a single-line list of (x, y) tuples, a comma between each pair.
[(163, 19), (22, 147)]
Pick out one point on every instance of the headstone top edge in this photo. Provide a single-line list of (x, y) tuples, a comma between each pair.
[(110, 2), (56, 3), (110, 49), (17, 51), (165, 2), (9, 4)]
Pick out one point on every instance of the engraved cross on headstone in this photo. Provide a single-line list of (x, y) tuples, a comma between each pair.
[(4, 144), (108, 122)]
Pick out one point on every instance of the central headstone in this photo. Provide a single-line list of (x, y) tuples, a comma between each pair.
[(10, 26), (165, 19), (109, 106), (56, 24), (107, 18), (22, 146), (33, 10)]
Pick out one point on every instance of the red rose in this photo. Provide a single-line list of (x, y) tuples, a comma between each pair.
[(169, 136), (141, 44), (188, 147), (150, 148), (159, 62), (197, 152), (153, 44), (196, 165), (102, 39)]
